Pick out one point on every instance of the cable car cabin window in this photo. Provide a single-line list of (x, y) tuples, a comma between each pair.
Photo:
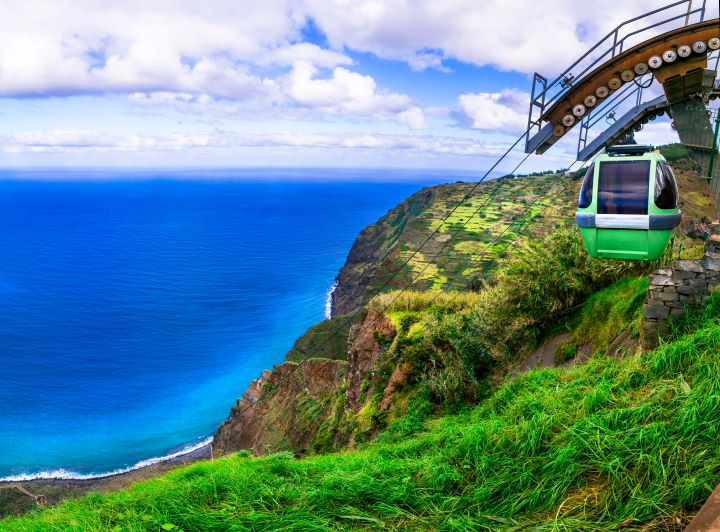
[(586, 189), (623, 187), (666, 192)]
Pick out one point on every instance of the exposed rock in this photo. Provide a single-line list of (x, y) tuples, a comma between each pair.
[(364, 351), (680, 275), (711, 263), (663, 296), (396, 382), (661, 280), (656, 311), (283, 408)]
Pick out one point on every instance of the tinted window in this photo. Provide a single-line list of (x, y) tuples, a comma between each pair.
[(586, 189), (666, 192), (623, 187)]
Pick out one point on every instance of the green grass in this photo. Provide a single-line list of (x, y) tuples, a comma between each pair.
[(608, 312), (630, 443), (327, 339)]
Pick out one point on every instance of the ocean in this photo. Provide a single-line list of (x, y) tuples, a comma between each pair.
[(135, 308)]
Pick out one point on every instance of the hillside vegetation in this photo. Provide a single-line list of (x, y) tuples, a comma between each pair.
[(629, 443), (402, 248)]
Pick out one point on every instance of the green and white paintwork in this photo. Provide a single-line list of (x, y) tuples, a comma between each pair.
[(636, 241)]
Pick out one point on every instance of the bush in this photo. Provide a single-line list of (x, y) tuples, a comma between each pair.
[(534, 287), (415, 301)]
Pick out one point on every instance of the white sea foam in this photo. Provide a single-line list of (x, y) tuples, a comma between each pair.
[(328, 300), (63, 474)]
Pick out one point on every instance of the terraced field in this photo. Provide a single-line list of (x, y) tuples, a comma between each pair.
[(465, 242)]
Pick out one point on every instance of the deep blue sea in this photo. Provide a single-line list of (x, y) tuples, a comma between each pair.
[(135, 309)]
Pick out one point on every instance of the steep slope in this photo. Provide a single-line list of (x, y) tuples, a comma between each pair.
[(628, 444), (510, 318)]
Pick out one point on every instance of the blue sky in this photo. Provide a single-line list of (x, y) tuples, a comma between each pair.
[(366, 83)]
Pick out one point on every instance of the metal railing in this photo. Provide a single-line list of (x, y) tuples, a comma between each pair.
[(545, 93)]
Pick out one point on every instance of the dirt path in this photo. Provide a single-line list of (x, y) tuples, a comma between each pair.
[(544, 356)]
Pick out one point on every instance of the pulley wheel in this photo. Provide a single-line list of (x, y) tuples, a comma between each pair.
[(641, 68), (684, 50), (590, 100), (602, 92), (669, 56), (656, 61), (627, 75), (699, 47)]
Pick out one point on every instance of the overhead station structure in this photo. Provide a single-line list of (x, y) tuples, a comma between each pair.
[(610, 91)]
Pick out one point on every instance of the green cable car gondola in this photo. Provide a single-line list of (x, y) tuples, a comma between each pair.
[(629, 204)]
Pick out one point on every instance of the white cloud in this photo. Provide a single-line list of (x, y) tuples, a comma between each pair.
[(496, 111), (349, 92), (195, 57), (69, 141), (241, 57), (522, 35)]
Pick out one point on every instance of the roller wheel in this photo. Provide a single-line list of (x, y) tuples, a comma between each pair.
[(590, 100), (602, 92), (699, 47), (615, 83), (641, 68), (568, 120), (684, 50), (627, 75), (714, 43), (579, 110), (559, 130), (655, 61), (669, 56)]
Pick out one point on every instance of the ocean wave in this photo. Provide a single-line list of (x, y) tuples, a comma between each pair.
[(328, 300), (63, 474)]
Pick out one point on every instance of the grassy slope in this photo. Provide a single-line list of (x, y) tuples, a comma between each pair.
[(630, 443)]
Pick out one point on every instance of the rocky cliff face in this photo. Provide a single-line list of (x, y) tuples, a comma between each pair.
[(282, 409), (312, 405)]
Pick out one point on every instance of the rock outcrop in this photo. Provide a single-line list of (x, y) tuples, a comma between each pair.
[(364, 352), (314, 404), (282, 409)]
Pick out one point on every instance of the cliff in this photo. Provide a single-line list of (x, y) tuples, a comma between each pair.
[(309, 406), (367, 258), (282, 409)]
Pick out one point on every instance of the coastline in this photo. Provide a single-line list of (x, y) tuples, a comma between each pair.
[(113, 479)]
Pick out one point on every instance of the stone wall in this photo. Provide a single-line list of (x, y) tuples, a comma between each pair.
[(685, 282)]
